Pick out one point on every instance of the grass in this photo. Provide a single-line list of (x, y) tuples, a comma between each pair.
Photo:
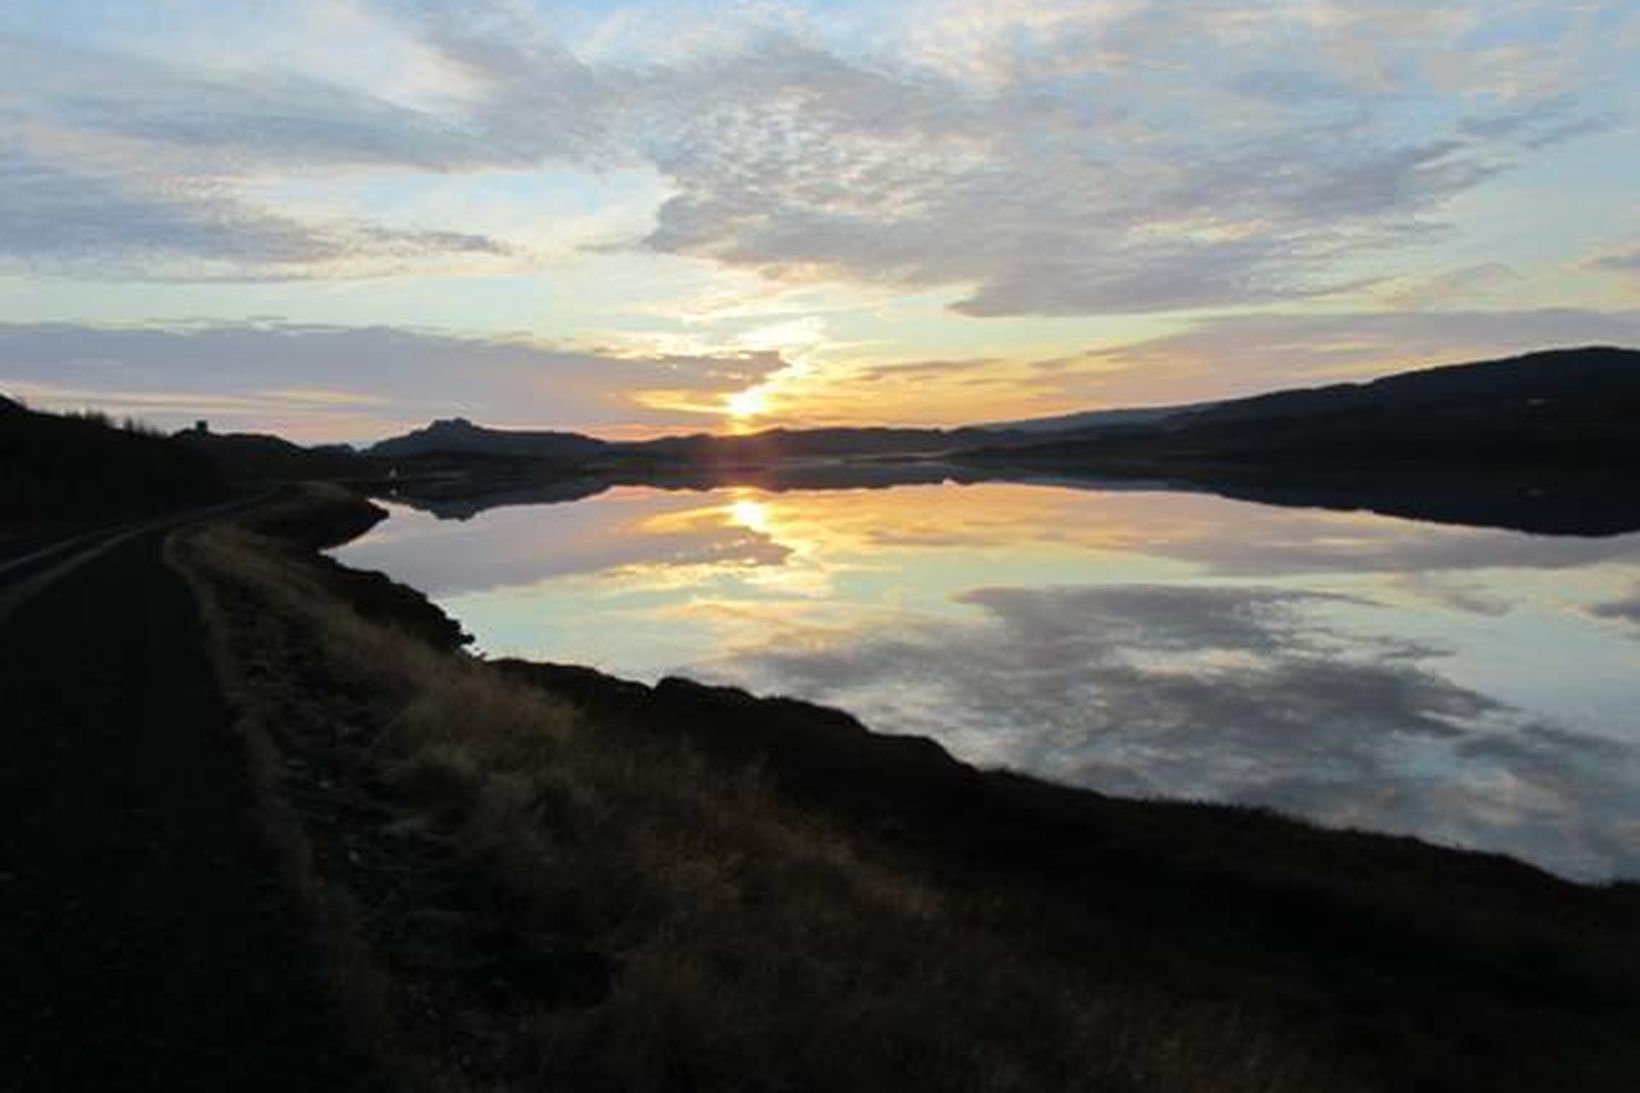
[(663, 921)]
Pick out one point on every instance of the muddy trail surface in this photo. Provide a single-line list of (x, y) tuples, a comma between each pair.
[(148, 943)]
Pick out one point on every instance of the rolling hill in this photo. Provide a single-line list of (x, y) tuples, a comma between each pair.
[(1554, 408), (77, 467)]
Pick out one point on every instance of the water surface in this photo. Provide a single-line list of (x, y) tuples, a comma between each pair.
[(1476, 687)]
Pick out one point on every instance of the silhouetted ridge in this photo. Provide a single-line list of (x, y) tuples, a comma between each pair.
[(458, 436), (80, 466), (1570, 407), (783, 443), (258, 456), (1588, 376)]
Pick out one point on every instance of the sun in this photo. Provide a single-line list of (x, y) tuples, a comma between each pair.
[(749, 403)]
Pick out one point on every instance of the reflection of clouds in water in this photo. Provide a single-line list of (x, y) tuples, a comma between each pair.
[(1272, 695), (521, 546), (1274, 544), (1239, 695), (1229, 537), (513, 547), (1454, 593), (1626, 609)]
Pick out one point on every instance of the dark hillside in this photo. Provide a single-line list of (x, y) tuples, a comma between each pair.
[(776, 444), (1546, 380), (253, 456), (67, 467), (1562, 408)]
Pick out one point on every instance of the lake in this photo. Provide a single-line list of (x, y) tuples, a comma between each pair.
[(1471, 686)]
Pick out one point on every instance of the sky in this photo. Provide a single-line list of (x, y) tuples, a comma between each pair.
[(337, 219)]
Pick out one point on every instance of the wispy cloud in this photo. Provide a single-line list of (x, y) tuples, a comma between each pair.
[(135, 226), (1217, 356), (1235, 355), (324, 382), (1626, 262)]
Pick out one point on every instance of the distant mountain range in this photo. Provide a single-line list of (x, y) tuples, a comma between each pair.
[(457, 435), (1560, 405), (1096, 419), (1514, 423)]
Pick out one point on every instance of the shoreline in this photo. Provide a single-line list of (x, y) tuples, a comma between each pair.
[(1345, 934), (1557, 837), (379, 596)]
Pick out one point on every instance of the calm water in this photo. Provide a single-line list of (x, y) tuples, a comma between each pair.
[(1474, 687)]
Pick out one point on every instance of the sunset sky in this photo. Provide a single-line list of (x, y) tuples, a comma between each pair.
[(339, 218)]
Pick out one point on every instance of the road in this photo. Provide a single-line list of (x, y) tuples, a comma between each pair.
[(147, 943)]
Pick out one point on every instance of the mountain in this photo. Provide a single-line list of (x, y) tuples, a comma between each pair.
[(458, 436), (1552, 408), (1090, 420), (1571, 406), (80, 466), (249, 456), (777, 444)]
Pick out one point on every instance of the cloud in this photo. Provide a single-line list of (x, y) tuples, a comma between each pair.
[(59, 220), (1626, 609), (1053, 159), (326, 382), (1223, 356), (120, 166), (1218, 356), (1234, 694), (1625, 262), (1464, 285), (1162, 161), (226, 122)]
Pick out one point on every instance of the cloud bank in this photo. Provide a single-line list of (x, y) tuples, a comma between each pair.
[(1055, 159), (349, 383)]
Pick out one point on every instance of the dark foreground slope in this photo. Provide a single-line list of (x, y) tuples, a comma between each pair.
[(147, 943), (82, 468), (1424, 967), (257, 457), (579, 881)]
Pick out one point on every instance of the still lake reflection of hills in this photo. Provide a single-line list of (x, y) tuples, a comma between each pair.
[(1469, 685)]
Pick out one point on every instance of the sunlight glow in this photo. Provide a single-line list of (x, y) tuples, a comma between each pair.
[(751, 515), (742, 405)]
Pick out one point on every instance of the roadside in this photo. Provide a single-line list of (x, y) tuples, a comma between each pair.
[(49, 558), (148, 943)]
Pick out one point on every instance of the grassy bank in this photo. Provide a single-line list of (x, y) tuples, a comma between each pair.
[(536, 877)]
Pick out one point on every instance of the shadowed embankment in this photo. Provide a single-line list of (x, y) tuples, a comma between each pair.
[(148, 943)]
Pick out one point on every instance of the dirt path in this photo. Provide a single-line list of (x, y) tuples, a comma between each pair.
[(146, 942)]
